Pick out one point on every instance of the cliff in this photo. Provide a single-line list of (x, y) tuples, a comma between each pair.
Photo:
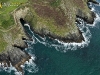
[(53, 18), (56, 18)]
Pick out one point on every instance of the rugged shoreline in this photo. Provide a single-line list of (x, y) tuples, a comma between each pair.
[(17, 56)]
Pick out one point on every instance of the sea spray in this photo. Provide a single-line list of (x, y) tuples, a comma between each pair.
[(9, 69), (30, 66)]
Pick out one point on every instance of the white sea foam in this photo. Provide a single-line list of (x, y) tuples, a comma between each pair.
[(97, 19), (30, 66), (97, 13), (9, 69), (92, 9), (27, 26), (18, 73)]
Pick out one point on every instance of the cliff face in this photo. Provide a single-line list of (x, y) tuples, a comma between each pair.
[(56, 18)]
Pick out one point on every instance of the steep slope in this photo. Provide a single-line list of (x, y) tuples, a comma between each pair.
[(56, 18)]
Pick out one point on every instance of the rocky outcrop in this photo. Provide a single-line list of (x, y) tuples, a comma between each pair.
[(88, 19), (15, 56), (93, 1), (15, 38)]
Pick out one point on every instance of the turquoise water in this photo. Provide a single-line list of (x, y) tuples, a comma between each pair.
[(84, 61), (50, 61)]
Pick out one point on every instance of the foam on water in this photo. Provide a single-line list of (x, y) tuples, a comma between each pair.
[(9, 69), (97, 13), (18, 73), (30, 66)]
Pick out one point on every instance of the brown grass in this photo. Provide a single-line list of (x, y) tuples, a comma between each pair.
[(79, 3), (46, 11)]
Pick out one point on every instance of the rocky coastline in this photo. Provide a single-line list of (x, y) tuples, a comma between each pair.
[(16, 54), (16, 57), (93, 1)]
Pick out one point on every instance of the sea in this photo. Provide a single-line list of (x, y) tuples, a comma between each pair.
[(54, 57)]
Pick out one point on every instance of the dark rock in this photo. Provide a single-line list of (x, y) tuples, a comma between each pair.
[(14, 56), (86, 18), (93, 1)]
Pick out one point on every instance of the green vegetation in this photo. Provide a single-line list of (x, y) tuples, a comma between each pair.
[(7, 23), (7, 20), (3, 44), (55, 3), (40, 23)]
